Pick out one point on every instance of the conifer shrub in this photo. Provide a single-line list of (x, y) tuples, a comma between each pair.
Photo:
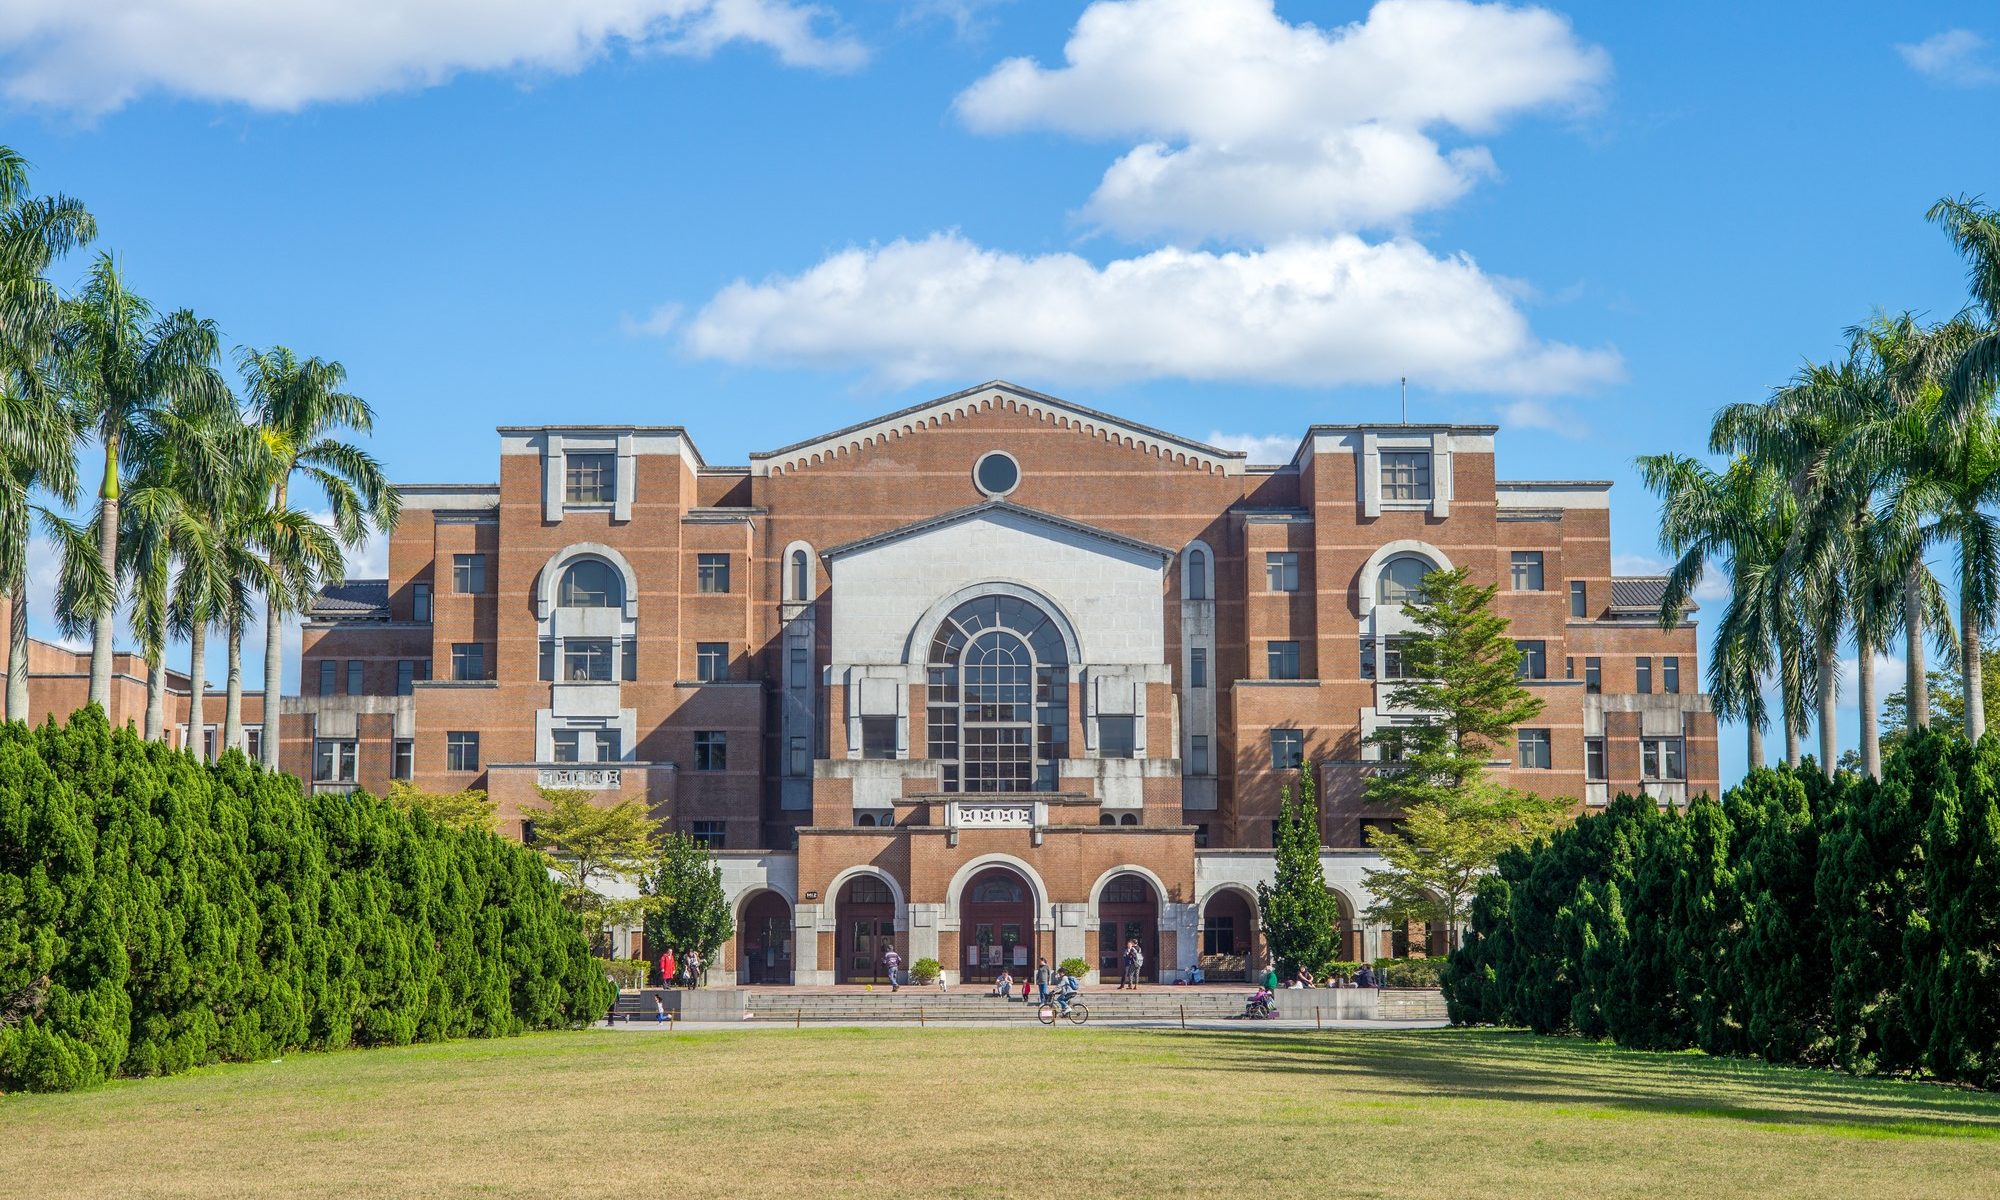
[(158, 914)]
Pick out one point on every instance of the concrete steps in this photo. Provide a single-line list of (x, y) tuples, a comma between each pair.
[(1163, 1003)]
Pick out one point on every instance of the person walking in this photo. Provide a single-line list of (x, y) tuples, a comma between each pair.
[(694, 968), (667, 967), (1043, 978), (1128, 979), (890, 961)]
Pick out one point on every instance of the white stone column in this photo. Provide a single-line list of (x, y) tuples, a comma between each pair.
[(923, 928), (805, 946), (1184, 921), (1070, 919)]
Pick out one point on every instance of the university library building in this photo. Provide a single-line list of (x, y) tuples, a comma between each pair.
[(991, 678)]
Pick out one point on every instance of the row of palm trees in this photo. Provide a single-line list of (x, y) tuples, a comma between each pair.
[(196, 524), (1838, 489)]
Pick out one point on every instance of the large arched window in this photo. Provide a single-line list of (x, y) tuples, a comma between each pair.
[(1197, 575), (590, 583), (1402, 579), (998, 697)]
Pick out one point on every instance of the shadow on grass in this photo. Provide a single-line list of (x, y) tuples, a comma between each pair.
[(1518, 1067)]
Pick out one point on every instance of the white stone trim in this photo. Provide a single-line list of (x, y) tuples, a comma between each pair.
[(916, 651), (1372, 569), (551, 576), (1160, 899), (829, 901), (785, 588), (1044, 916)]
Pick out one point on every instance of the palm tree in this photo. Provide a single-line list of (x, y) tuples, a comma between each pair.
[(38, 436), (300, 407), (1974, 365), (124, 367), (273, 552)]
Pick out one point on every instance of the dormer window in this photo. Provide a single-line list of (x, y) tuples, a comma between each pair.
[(590, 478), (1406, 475)]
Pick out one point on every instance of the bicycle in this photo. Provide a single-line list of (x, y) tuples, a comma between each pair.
[(1076, 1013)]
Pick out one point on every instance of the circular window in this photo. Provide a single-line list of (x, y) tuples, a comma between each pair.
[(996, 473)]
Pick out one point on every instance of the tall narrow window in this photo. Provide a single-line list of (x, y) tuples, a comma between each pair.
[(1197, 575), (548, 672), (1198, 754), (799, 762), (403, 762), (1527, 570), (329, 671), (801, 667), (628, 659), (406, 676), (801, 576), (1593, 675), (420, 602), (355, 673), (1593, 760), (1642, 671), (1579, 599), (1198, 667), (1670, 674)]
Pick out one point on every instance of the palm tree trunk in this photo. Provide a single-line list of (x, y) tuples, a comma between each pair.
[(1871, 737), (1972, 667), (17, 650), (232, 705), (1829, 732), (1917, 679), (274, 655), (156, 696), (197, 686), (1756, 737), (1790, 700), (102, 630)]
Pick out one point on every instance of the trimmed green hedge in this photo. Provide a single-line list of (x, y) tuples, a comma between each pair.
[(157, 914), (1800, 919)]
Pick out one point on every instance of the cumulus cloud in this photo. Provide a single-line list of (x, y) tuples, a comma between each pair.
[(1257, 128), (1957, 56), (95, 57), (1261, 448), (1320, 311), (1534, 414)]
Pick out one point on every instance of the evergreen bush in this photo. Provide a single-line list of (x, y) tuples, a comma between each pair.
[(158, 913)]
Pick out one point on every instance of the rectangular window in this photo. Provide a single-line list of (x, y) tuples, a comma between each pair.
[(565, 745), (711, 834), (711, 662), (628, 659), (1593, 675), (1527, 570), (1660, 758), (1569, 668), (878, 737), (333, 760), (1392, 658), (801, 666), (1406, 475), (468, 660), (1198, 754), (711, 573), (1288, 749), (1201, 836), (711, 750), (329, 671), (1670, 675), (253, 742), (355, 686), (208, 744), (608, 748), (420, 601), (590, 478), (468, 574), (1117, 737), (799, 761), (406, 676), (548, 673), (586, 660), (403, 759), (1283, 658), (1534, 659), (1642, 674), (1281, 572), (1198, 667), (461, 751), (1579, 599), (1593, 760), (1534, 746)]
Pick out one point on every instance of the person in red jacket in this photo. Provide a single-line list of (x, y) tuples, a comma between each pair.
[(667, 967)]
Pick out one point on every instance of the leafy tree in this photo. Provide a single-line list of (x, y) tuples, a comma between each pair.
[(1463, 673), (1436, 855), (1958, 936), (1781, 967), (1301, 918), (691, 910), (589, 846), (469, 809)]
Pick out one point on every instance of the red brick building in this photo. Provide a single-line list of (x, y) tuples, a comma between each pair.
[(992, 677)]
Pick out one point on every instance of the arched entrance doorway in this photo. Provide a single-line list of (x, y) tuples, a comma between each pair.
[(996, 925), (1351, 948), (764, 940), (864, 926), (1127, 910), (1228, 929)]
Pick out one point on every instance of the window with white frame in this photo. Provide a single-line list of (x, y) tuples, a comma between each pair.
[(1661, 758), (334, 760), (1534, 748), (1281, 572)]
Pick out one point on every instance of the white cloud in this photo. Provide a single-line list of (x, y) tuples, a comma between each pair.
[(1956, 56), (969, 19), (1313, 311), (1889, 677), (1534, 414), (1261, 448), (1258, 128), (96, 56)]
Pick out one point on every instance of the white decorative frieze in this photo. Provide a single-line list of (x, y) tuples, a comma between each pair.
[(589, 779), (989, 816)]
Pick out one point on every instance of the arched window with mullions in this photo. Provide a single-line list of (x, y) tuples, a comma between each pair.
[(1402, 579), (998, 697), (590, 583)]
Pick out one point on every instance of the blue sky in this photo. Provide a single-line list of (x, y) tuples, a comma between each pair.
[(1594, 224)]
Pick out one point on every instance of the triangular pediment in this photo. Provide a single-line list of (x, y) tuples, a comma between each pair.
[(1003, 512), (998, 396)]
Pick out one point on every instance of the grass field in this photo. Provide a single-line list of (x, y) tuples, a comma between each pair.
[(981, 1112)]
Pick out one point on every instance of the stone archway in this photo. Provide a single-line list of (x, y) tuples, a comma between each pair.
[(1228, 934), (996, 925), (1128, 909), (864, 921), (764, 939)]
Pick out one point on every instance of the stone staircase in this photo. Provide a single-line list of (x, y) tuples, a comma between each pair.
[(917, 1004)]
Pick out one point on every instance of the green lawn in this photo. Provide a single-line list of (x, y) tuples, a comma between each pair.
[(980, 1112)]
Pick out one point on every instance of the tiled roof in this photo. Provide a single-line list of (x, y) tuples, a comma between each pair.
[(1641, 592), (352, 600)]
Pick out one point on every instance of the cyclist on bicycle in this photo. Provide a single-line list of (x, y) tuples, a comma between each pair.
[(1066, 990)]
